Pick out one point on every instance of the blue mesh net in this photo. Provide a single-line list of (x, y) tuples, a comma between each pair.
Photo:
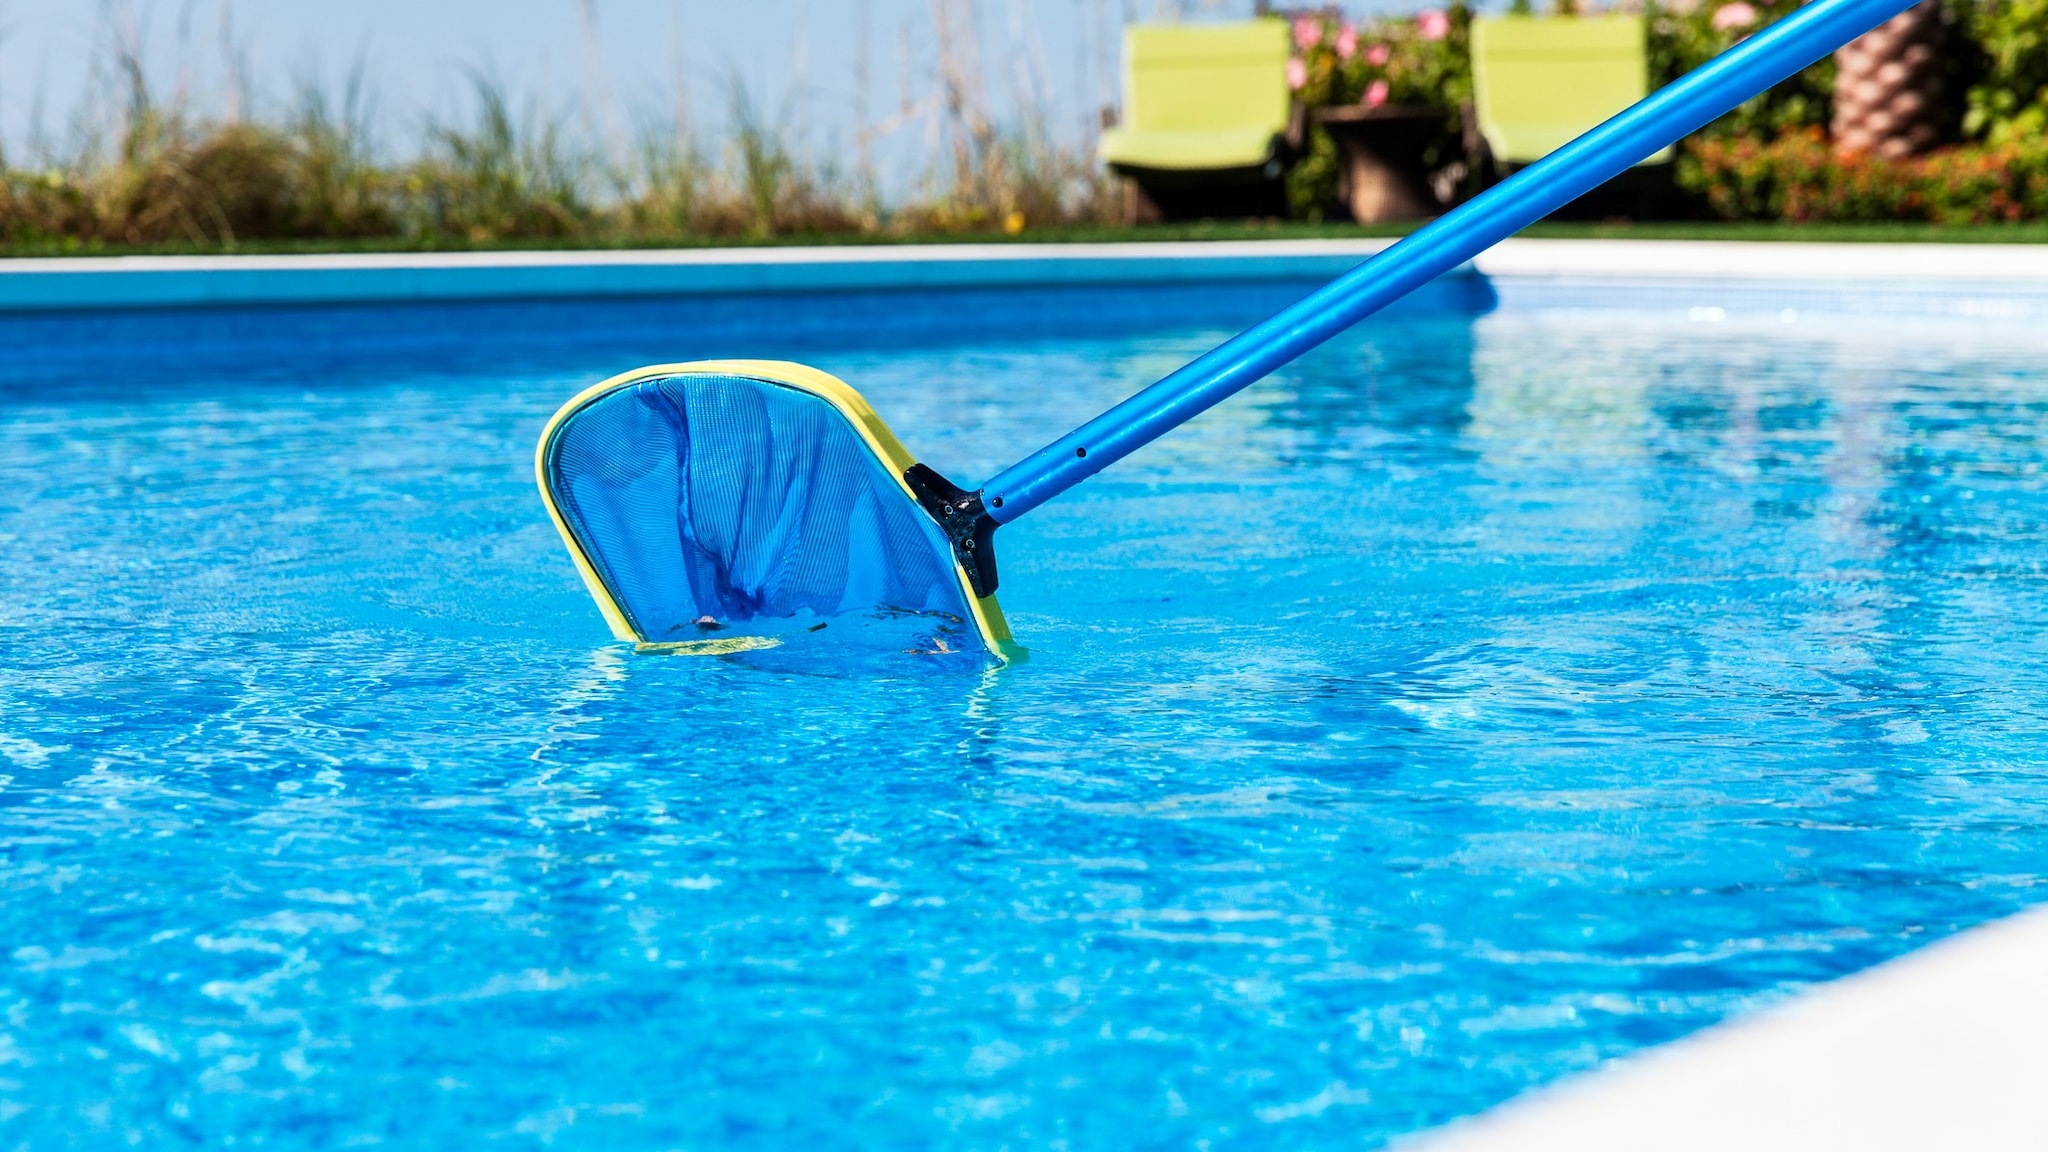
[(744, 501)]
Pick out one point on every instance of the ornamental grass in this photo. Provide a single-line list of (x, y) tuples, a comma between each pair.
[(510, 172)]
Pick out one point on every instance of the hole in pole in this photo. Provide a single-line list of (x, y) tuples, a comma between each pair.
[(1080, 451)]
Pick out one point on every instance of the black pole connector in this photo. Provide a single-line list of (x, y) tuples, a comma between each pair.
[(960, 515)]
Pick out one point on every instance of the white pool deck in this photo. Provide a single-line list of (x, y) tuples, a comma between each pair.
[(1945, 1048), (89, 283)]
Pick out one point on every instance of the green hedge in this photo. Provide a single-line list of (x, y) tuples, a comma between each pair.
[(1799, 177)]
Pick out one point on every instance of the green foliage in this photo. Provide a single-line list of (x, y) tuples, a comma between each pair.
[(1312, 180), (1419, 61), (2007, 99), (337, 188), (1422, 61), (1768, 158), (168, 181), (765, 167), (1683, 35), (1800, 178), (661, 189), (503, 175)]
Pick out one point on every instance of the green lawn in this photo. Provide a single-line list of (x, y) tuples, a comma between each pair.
[(2030, 233)]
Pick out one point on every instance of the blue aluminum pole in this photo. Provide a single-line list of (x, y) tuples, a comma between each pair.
[(1683, 107)]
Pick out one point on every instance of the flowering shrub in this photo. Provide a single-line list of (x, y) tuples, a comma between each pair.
[(1994, 60), (1800, 177), (1684, 34), (1769, 158), (1423, 62)]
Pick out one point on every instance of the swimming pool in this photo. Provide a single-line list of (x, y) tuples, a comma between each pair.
[(1490, 693)]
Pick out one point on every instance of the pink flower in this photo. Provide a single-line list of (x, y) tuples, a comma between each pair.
[(1375, 93), (1729, 17), (1433, 24), (1378, 55), (1297, 74), (1347, 42), (1308, 32)]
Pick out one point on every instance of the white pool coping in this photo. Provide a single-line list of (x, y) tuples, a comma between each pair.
[(1769, 261), (1944, 1048), (87, 283), (74, 283)]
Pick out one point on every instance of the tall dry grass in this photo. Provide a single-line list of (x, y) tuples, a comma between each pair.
[(512, 170), (508, 173)]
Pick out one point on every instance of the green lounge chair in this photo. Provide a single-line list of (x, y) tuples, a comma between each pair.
[(1205, 106), (1538, 82)]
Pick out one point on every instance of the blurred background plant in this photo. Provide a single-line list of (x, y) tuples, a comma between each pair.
[(2005, 88), (1980, 104), (156, 170), (159, 173), (508, 174), (163, 176), (1683, 35), (1801, 177), (1978, 152), (338, 188), (1422, 61)]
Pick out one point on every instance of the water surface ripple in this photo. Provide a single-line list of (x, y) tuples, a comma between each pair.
[(1478, 699)]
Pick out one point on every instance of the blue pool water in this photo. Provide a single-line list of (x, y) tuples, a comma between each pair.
[(1483, 697)]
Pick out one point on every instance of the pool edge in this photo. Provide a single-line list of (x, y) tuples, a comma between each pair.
[(74, 284), (158, 282), (1944, 1047)]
